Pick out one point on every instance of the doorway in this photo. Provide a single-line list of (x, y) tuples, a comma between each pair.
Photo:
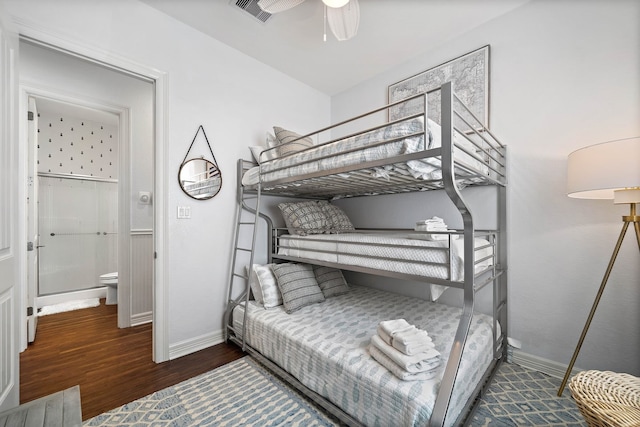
[(73, 205), (71, 84)]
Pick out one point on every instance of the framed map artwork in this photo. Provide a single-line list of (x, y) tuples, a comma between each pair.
[(469, 75)]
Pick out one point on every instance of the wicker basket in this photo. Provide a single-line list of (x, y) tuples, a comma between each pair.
[(607, 399)]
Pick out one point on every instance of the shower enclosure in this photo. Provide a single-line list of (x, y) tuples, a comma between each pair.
[(78, 226)]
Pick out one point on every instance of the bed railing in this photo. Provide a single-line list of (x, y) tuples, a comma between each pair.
[(480, 156)]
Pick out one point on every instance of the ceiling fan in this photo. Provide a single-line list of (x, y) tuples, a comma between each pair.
[(343, 16)]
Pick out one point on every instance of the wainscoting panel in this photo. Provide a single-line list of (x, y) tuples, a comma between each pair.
[(6, 344), (141, 276)]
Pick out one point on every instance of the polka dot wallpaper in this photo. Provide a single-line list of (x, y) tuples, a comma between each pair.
[(73, 146)]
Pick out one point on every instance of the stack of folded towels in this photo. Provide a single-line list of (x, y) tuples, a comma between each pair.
[(406, 351), (433, 224)]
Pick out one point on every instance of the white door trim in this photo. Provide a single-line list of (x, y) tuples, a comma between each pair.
[(33, 32)]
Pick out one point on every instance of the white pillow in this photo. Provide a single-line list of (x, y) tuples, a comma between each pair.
[(270, 141), (264, 286)]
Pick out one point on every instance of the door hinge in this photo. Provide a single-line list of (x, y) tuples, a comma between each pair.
[(29, 246), (30, 115), (155, 255), (29, 311)]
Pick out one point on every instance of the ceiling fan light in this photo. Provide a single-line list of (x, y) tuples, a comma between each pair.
[(335, 3), (275, 6), (344, 21)]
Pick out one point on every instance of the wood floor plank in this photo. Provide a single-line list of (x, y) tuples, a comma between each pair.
[(112, 366)]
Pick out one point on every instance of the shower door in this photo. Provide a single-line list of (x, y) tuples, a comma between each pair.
[(78, 232)]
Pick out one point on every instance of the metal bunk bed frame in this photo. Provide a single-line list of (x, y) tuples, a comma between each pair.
[(497, 176)]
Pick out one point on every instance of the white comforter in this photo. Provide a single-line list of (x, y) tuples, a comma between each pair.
[(402, 253), (400, 138), (324, 346)]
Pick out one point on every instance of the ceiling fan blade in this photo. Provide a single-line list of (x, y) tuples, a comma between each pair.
[(276, 6), (344, 20)]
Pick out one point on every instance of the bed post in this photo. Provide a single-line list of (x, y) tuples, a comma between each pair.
[(451, 371)]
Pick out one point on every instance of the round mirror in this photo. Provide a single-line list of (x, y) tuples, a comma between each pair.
[(200, 178)]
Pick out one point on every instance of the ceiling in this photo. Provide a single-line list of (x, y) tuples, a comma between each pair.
[(391, 32)]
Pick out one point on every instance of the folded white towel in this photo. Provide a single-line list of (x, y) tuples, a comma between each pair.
[(412, 342), (396, 370), (419, 362), (433, 220), (387, 328)]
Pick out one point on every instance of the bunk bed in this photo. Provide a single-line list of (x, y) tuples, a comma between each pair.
[(323, 348)]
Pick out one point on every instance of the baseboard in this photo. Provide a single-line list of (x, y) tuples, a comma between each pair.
[(100, 292), (540, 364), (141, 318), (196, 344)]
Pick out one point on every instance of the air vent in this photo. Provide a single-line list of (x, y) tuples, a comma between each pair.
[(252, 8)]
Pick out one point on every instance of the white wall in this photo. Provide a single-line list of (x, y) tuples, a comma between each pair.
[(564, 74), (234, 97)]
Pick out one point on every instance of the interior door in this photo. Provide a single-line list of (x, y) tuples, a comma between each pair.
[(33, 241), (10, 219)]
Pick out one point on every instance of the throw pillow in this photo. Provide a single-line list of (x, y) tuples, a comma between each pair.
[(298, 286), (264, 286), (289, 142), (304, 218), (337, 219), (330, 280)]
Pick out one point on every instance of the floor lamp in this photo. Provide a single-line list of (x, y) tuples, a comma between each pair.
[(610, 170)]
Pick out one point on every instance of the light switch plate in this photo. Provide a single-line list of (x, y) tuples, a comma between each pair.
[(184, 212)]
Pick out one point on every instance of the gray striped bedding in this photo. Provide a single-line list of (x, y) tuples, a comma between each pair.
[(395, 139), (325, 346)]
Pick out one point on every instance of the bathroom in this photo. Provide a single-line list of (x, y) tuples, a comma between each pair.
[(91, 179), (77, 187)]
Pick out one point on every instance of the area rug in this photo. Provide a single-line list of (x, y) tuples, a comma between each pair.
[(519, 396), (240, 393), (68, 306)]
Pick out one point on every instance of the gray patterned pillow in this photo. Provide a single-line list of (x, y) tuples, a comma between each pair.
[(264, 286), (337, 220), (304, 218), (298, 286), (330, 280), (285, 138)]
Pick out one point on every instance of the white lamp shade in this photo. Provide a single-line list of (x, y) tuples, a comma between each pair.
[(597, 171), (344, 21)]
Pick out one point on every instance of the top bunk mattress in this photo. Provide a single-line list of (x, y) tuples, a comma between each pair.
[(355, 157), (325, 346)]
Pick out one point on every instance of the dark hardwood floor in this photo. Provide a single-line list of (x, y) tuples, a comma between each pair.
[(112, 366)]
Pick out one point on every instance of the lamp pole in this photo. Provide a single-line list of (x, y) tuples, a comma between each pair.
[(627, 219)]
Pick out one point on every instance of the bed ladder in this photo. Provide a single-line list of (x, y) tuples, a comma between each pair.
[(246, 229)]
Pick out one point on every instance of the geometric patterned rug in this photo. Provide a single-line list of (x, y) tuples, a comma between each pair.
[(243, 393), (523, 397), (240, 393)]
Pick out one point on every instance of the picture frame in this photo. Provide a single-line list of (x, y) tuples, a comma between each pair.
[(469, 74)]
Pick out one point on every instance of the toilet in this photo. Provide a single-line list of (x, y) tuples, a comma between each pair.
[(110, 280)]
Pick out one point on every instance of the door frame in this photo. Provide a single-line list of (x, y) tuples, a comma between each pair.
[(112, 60)]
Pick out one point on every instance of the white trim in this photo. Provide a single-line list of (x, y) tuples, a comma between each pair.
[(195, 344), (540, 364), (161, 224), (141, 318), (100, 292), (67, 43)]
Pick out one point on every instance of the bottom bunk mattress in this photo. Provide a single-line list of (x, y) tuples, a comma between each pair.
[(325, 346)]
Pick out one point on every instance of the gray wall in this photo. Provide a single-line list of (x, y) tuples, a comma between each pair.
[(564, 75)]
